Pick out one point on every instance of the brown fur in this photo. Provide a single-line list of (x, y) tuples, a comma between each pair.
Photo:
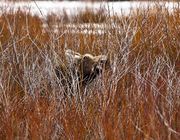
[(87, 67)]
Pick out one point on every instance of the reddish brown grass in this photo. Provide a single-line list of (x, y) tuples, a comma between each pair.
[(139, 99)]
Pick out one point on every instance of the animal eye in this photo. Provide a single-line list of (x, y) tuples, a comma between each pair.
[(101, 62)]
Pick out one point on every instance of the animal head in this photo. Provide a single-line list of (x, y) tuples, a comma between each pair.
[(87, 65), (91, 66), (94, 64), (73, 58)]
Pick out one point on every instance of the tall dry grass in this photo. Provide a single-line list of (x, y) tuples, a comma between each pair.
[(138, 99)]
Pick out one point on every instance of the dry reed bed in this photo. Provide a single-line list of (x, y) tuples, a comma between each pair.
[(138, 99)]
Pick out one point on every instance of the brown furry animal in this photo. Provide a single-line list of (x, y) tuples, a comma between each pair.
[(85, 68)]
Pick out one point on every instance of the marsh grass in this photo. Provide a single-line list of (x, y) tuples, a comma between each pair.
[(138, 99)]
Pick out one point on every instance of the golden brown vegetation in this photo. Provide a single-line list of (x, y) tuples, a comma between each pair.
[(139, 99)]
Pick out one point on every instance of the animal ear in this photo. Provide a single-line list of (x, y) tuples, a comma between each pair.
[(71, 53), (103, 59), (72, 57)]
